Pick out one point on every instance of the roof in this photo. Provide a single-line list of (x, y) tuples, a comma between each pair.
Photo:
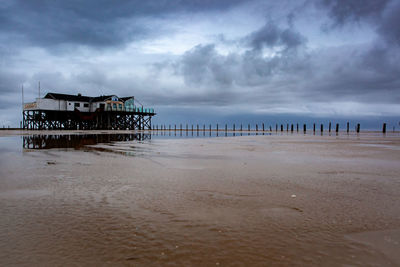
[(82, 98), (100, 98), (78, 97), (126, 98)]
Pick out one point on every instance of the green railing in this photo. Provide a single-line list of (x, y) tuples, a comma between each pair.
[(131, 109)]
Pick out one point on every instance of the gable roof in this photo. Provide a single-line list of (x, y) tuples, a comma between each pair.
[(57, 96), (82, 98)]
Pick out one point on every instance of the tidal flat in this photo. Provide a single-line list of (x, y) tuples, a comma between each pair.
[(127, 198)]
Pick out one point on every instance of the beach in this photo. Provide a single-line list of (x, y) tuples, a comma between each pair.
[(281, 199)]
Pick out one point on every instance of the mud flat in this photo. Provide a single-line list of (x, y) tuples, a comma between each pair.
[(298, 200)]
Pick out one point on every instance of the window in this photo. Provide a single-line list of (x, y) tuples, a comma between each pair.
[(77, 105), (120, 106), (86, 105), (115, 106)]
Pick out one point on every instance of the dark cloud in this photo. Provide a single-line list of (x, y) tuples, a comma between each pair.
[(382, 15), (203, 66), (367, 75), (344, 11), (270, 35), (389, 26), (96, 23), (10, 81)]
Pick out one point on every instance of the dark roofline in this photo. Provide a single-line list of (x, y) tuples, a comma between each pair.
[(57, 96), (67, 97), (126, 98)]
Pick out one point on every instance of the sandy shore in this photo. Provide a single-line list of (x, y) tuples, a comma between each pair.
[(253, 200)]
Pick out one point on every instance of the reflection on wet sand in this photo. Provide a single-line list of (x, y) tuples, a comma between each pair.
[(247, 201), (78, 141)]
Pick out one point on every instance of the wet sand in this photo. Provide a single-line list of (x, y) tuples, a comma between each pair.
[(236, 201)]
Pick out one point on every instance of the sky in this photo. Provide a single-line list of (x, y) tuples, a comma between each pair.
[(209, 61)]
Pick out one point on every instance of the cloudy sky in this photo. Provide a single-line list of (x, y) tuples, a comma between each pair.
[(202, 61)]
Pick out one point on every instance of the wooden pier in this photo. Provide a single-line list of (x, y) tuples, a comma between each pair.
[(99, 120)]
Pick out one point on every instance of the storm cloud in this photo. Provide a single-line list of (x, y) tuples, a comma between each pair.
[(329, 57), (93, 23)]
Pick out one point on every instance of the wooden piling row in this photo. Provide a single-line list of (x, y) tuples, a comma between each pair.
[(164, 127)]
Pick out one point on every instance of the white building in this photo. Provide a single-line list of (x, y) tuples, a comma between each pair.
[(65, 102)]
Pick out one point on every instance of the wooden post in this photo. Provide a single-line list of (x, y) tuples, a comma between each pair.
[(384, 128), (297, 127), (181, 127), (270, 128), (217, 127), (337, 127), (175, 128), (287, 127), (210, 128), (330, 125), (358, 128), (314, 127), (248, 127), (348, 127), (186, 127), (291, 128), (241, 127), (233, 127), (263, 127), (257, 127), (226, 127), (322, 128), (204, 128), (192, 127), (281, 127), (197, 127), (304, 128), (169, 127)]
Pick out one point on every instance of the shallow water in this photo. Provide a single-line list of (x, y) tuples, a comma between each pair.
[(252, 200)]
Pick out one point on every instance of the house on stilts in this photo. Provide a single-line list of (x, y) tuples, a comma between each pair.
[(77, 112)]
